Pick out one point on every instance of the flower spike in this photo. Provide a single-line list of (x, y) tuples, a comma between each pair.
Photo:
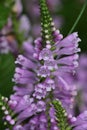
[(46, 23)]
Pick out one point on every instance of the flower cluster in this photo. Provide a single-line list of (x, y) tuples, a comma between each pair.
[(81, 82), (44, 94), (38, 76), (79, 122)]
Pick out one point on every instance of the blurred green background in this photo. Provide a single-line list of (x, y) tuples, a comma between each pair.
[(69, 11)]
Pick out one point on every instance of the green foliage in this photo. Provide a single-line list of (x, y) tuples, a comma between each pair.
[(4, 13), (79, 17), (5, 10), (19, 35), (70, 11), (6, 74), (6, 61), (61, 116)]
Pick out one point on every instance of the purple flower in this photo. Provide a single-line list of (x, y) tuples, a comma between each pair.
[(17, 8), (69, 61), (26, 63), (51, 64), (65, 93), (43, 71), (82, 72), (39, 72), (38, 47), (41, 106), (8, 44), (45, 54), (40, 91), (28, 49), (37, 123), (28, 112), (24, 103), (4, 45), (81, 82), (52, 119), (49, 84), (18, 127), (21, 90), (24, 25), (44, 74), (80, 123), (23, 76), (41, 75)]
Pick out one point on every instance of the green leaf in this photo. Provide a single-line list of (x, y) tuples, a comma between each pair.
[(4, 14), (5, 11), (6, 74)]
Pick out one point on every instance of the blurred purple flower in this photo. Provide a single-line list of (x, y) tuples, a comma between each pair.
[(17, 8), (25, 25), (8, 44), (82, 72), (80, 122)]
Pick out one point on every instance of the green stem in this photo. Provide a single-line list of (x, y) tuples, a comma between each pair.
[(78, 18)]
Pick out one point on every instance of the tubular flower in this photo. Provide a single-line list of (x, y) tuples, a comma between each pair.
[(38, 76), (80, 122), (4, 46)]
